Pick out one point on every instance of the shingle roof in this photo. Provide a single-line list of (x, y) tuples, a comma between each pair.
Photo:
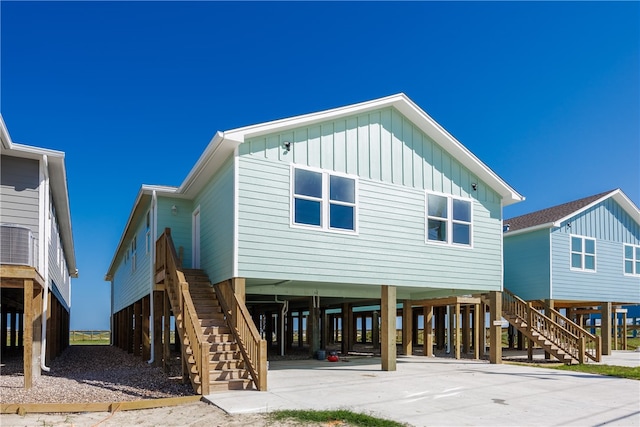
[(552, 214)]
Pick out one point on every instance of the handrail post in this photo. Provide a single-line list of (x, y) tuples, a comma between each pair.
[(582, 349), (598, 348)]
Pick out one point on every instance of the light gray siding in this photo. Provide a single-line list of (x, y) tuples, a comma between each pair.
[(217, 224), (611, 226), (19, 192), (527, 265), (58, 269)]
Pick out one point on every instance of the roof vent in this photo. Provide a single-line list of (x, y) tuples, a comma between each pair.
[(16, 245)]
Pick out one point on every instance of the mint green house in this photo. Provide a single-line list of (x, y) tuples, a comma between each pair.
[(361, 203)]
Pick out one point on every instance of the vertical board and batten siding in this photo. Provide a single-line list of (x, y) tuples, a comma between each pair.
[(180, 224), (395, 163), (128, 286), (612, 227), (527, 265), (19, 192), (217, 224)]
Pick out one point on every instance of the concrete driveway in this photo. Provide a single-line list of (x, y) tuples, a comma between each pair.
[(442, 391)]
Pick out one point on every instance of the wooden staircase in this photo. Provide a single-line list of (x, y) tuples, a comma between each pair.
[(221, 347), (556, 334)]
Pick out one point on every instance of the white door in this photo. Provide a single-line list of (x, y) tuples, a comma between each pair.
[(195, 239)]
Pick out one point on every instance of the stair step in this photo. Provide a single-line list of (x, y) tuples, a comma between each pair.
[(221, 338), (224, 385), (228, 374), (216, 330), (208, 321), (223, 347)]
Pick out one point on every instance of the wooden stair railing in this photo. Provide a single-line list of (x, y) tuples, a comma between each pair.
[(593, 345), (551, 336), (187, 325), (252, 346)]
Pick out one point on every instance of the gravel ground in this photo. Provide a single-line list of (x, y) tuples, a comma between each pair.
[(107, 374)]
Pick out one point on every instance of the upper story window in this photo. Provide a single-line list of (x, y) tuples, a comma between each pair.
[(448, 220), (133, 254), (632, 260), (323, 200), (583, 253), (147, 235)]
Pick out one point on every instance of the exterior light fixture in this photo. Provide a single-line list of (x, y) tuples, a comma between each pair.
[(287, 146), (174, 210)]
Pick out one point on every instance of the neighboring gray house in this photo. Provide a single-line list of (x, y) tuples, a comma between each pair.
[(37, 258), (582, 255), (368, 202)]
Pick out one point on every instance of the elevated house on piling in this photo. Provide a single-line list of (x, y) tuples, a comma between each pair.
[(582, 256), (37, 258), (372, 203)]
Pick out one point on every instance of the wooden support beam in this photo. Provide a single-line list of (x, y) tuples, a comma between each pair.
[(457, 333), (347, 319), (129, 328), (137, 328), (477, 331), (605, 330), (144, 323), (547, 312), (440, 322), (166, 331), (388, 312), (28, 334), (375, 330), (466, 329), (407, 328), (495, 327), (158, 301), (428, 330), (314, 328)]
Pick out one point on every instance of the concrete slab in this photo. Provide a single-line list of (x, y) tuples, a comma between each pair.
[(439, 391)]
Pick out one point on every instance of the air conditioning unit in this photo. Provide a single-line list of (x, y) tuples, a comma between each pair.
[(16, 245)]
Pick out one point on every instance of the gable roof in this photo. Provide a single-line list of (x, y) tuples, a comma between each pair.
[(57, 182), (555, 215), (223, 144)]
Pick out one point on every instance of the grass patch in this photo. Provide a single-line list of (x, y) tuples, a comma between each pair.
[(611, 371), (337, 417)]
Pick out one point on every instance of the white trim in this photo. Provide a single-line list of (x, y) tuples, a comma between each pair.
[(236, 211), (529, 229), (325, 202), (618, 196), (449, 220), (551, 263), (634, 260), (583, 254), (196, 257)]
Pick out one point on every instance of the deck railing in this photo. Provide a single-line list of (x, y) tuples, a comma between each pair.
[(189, 329), (552, 331), (593, 345), (252, 346)]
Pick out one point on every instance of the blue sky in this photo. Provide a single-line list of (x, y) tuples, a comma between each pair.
[(546, 94)]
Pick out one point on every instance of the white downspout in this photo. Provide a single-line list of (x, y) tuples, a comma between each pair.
[(152, 260), (47, 232)]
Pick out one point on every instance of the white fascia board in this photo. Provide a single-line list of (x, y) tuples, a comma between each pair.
[(618, 196), (5, 138), (529, 229)]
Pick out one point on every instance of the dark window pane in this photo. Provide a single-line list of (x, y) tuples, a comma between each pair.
[(576, 244), (437, 230), (628, 252), (341, 217), (461, 234), (589, 262), (342, 189), (576, 260), (589, 246), (307, 212), (461, 210), (308, 183), (628, 267), (437, 206)]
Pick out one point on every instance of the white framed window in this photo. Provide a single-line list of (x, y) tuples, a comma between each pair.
[(324, 200), (147, 235), (133, 254), (632, 260), (583, 253), (449, 220)]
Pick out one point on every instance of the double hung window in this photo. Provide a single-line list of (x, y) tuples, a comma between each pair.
[(632, 260), (448, 220), (324, 200), (583, 253)]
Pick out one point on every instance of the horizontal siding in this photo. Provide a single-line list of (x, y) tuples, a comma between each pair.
[(216, 224), (379, 146), (608, 283), (128, 286), (179, 223), (390, 247), (19, 192), (58, 270), (527, 265)]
